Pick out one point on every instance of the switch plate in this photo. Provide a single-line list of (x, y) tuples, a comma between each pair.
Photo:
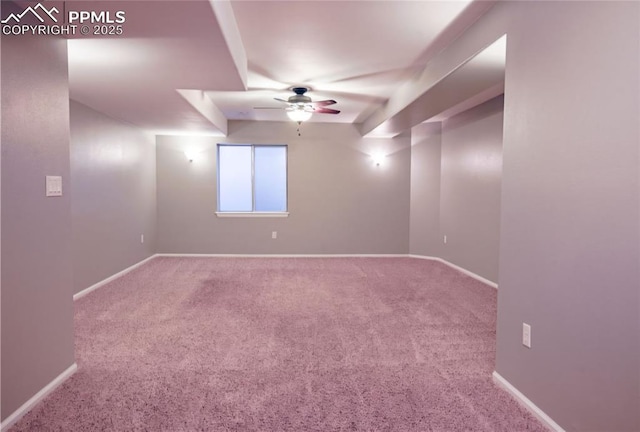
[(526, 335), (141, 238), (53, 186), (274, 234), (445, 239)]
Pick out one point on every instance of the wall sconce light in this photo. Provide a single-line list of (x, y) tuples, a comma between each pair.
[(191, 155), (378, 158)]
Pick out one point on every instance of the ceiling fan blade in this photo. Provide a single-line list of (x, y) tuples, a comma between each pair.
[(278, 108), (281, 100), (326, 111), (323, 102)]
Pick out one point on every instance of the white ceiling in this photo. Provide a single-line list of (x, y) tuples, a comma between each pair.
[(189, 66)]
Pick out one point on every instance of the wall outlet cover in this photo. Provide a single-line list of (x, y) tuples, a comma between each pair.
[(53, 186)]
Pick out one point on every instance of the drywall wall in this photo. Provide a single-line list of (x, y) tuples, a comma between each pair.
[(455, 189), (470, 188), (339, 202), (570, 223), (569, 233), (37, 307), (1, 139), (113, 194), (426, 154)]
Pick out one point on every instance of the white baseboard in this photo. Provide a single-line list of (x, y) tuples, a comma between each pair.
[(95, 286), (191, 255), (28, 405), (460, 269), (282, 255), (525, 402)]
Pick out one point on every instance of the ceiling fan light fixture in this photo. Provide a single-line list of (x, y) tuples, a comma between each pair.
[(299, 114)]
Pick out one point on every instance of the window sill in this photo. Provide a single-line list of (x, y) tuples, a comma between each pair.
[(251, 214)]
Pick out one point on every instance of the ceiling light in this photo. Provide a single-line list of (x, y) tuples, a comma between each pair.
[(299, 114)]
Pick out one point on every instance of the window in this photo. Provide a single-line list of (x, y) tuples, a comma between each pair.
[(252, 180)]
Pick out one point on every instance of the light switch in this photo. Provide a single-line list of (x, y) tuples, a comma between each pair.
[(54, 186), (526, 335)]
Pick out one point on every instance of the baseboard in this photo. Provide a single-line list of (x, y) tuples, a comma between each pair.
[(460, 269), (95, 286), (28, 405), (186, 255), (525, 402)]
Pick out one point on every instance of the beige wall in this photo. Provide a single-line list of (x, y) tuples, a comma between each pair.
[(426, 153), (569, 230), (570, 223), (37, 308), (338, 201), (456, 171), (113, 167), (470, 188)]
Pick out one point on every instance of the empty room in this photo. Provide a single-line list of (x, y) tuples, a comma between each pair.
[(320, 215)]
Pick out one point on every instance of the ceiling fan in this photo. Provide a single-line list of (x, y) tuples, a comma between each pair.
[(300, 107)]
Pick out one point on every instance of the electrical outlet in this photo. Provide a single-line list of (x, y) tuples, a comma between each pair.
[(274, 234), (53, 186), (445, 239), (141, 238), (526, 335)]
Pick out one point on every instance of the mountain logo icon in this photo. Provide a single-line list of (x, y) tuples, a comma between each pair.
[(34, 11)]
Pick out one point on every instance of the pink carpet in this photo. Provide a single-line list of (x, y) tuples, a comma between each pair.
[(226, 344)]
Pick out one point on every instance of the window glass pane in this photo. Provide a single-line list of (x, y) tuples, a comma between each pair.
[(270, 171), (234, 178)]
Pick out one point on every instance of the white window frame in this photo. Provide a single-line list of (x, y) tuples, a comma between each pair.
[(252, 213)]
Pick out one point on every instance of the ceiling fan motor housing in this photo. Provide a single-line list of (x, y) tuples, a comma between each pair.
[(299, 97)]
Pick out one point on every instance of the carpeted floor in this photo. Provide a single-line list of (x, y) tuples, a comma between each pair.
[(249, 344)]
